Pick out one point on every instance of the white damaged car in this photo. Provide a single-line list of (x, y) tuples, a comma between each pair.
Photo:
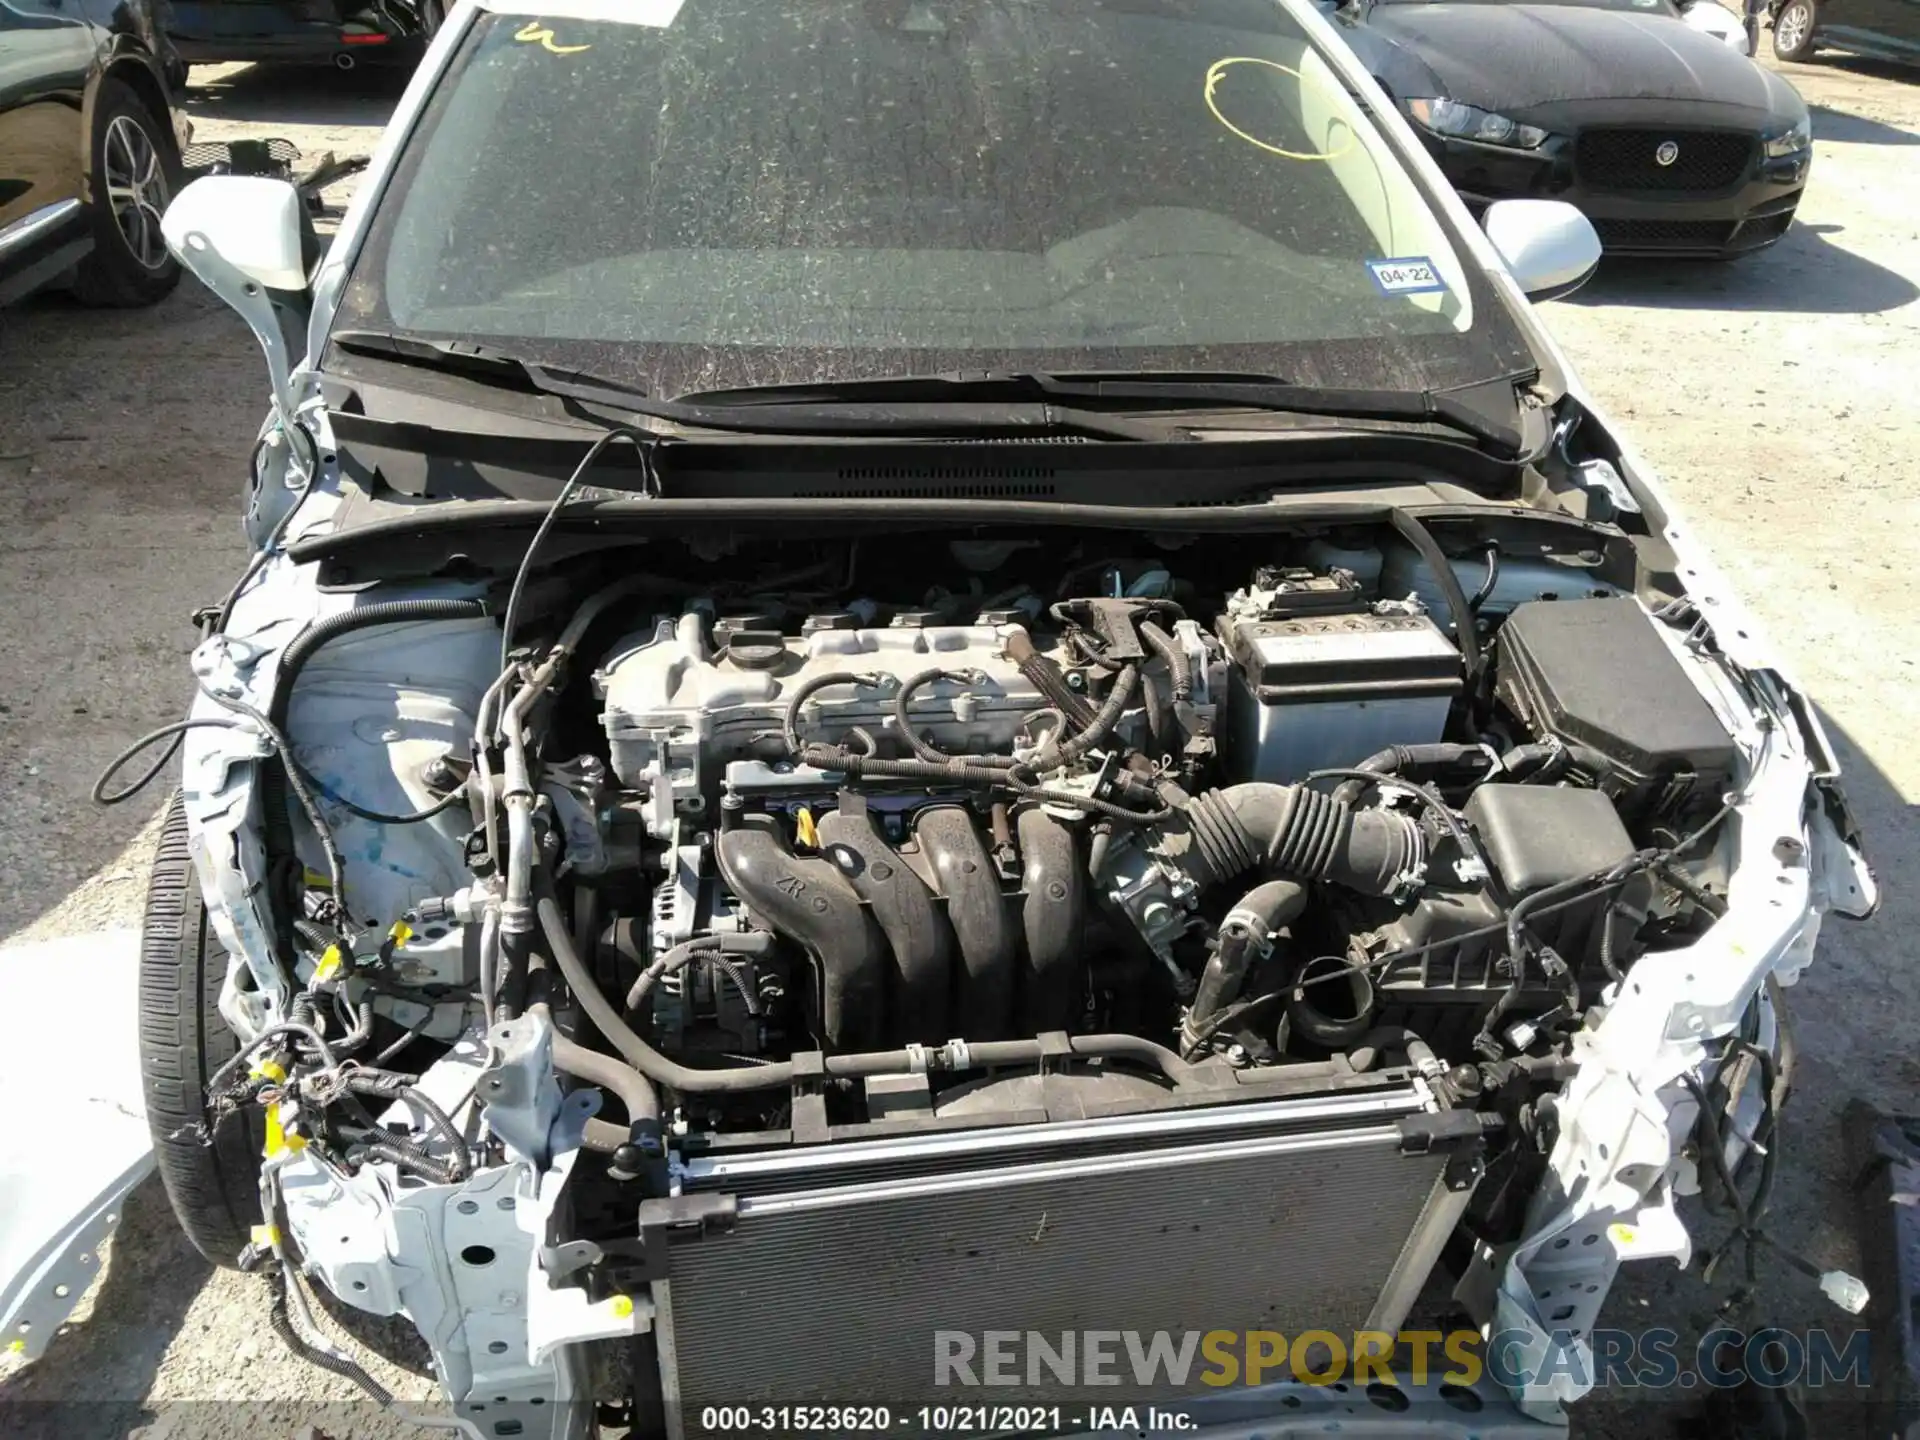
[(920, 668)]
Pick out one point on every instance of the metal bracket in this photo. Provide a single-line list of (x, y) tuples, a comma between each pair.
[(662, 1222), (808, 1120), (560, 1261), (1460, 1133), (249, 300), (521, 1097), (1055, 1047)]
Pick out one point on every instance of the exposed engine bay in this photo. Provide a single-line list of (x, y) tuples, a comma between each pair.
[(945, 867), (1237, 822)]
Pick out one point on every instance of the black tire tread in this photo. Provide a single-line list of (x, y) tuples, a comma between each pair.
[(109, 277), (183, 1040)]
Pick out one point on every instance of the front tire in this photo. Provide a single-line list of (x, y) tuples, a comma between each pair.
[(136, 172), (1793, 30), (214, 1188)]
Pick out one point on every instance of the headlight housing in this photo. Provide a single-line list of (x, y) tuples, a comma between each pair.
[(1791, 141), (1466, 122)]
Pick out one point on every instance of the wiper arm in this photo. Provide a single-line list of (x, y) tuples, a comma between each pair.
[(1170, 389), (471, 357), (943, 414)]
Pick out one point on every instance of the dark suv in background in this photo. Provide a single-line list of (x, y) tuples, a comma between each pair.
[(1877, 29), (89, 148)]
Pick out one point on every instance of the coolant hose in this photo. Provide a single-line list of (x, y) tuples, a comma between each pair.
[(955, 1055), (1367, 1052), (635, 1051), (1243, 941), (1402, 759), (634, 1090), (1293, 830), (1329, 1024)]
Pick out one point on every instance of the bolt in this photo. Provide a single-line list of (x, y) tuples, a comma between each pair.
[(1788, 850)]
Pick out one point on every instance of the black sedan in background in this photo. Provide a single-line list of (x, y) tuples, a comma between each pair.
[(345, 33), (1670, 141), (89, 149)]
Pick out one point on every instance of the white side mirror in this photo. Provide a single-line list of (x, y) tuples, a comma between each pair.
[(251, 221), (1551, 249), (240, 236)]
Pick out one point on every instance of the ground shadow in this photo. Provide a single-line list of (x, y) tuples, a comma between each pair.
[(1870, 68), (1807, 272), (115, 526), (98, 1389), (99, 1381), (1845, 128), (281, 94)]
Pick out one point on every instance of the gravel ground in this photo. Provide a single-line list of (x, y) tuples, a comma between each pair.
[(1775, 394)]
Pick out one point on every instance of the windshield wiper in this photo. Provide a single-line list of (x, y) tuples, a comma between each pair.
[(1165, 389), (943, 413)]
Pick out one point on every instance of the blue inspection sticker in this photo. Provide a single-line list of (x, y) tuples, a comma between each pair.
[(1408, 275)]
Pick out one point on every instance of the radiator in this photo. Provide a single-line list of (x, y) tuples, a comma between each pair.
[(841, 1262)]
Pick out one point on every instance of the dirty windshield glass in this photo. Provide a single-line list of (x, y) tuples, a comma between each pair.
[(739, 192)]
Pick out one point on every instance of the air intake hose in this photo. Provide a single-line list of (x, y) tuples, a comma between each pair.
[(1243, 942), (1295, 831)]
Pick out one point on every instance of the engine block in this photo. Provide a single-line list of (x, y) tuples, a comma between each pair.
[(683, 700)]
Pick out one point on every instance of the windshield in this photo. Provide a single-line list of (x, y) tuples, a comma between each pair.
[(740, 192)]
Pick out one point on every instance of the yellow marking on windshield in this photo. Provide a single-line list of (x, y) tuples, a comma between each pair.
[(1219, 68), (534, 33)]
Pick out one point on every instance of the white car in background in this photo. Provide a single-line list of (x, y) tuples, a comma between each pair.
[(1722, 23)]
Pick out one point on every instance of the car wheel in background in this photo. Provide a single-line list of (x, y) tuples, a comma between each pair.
[(1793, 30), (136, 171)]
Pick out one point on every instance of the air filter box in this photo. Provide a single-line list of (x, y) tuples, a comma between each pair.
[(1597, 673)]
